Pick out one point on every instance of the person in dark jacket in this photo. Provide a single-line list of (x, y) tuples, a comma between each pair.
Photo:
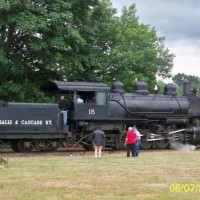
[(63, 107), (98, 139)]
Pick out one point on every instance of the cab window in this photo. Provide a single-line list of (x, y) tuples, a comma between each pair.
[(101, 98), (88, 97)]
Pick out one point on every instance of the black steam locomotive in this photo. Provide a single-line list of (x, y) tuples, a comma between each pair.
[(160, 118)]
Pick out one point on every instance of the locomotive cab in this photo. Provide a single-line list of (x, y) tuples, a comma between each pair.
[(94, 99)]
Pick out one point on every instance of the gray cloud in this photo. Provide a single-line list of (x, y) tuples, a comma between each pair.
[(175, 19), (178, 21)]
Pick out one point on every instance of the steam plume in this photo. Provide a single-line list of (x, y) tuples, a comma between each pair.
[(182, 147)]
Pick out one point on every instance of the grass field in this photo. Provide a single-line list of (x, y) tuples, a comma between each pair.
[(113, 177)]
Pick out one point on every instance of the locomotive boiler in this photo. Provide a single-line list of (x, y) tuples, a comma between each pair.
[(160, 118)]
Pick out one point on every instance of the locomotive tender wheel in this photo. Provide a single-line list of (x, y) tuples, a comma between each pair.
[(162, 144), (46, 145), (14, 146), (51, 148), (20, 146), (55, 148), (145, 144)]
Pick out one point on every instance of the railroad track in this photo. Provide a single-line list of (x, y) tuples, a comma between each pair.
[(63, 152), (7, 152)]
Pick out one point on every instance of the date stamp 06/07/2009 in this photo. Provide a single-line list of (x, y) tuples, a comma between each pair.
[(186, 187)]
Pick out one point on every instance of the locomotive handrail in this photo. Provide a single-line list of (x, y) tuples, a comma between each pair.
[(177, 102)]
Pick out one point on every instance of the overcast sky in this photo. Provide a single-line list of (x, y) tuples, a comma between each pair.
[(178, 21)]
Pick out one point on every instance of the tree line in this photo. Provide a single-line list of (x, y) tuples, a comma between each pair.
[(179, 78), (71, 39)]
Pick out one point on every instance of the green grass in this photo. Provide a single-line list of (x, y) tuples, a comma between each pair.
[(113, 177)]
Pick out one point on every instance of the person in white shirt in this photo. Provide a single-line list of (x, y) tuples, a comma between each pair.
[(79, 100), (137, 142)]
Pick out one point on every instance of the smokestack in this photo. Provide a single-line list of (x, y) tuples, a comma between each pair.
[(186, 88)]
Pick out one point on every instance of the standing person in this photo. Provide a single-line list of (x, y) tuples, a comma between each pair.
[(79, 100), (63, 108), (98, 138), (130, 139), (137, 141)]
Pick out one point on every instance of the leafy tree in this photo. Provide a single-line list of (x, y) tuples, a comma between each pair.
[(181, 77), (35, 39), (55, 40), (137, 51), (194, 80), (92, 58)]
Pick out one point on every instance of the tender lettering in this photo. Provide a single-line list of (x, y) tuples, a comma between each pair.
[(5, 122), (31, 122), (48, 122), (26, 122)]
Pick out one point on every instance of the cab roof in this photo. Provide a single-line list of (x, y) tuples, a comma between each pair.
[(63, 86)]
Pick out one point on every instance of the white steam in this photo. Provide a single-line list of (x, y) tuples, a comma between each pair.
[(182, 147)]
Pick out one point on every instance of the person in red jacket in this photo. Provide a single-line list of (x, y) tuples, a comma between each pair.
[(130, 140)]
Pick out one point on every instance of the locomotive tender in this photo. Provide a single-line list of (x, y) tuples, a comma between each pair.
[(161, 118)]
